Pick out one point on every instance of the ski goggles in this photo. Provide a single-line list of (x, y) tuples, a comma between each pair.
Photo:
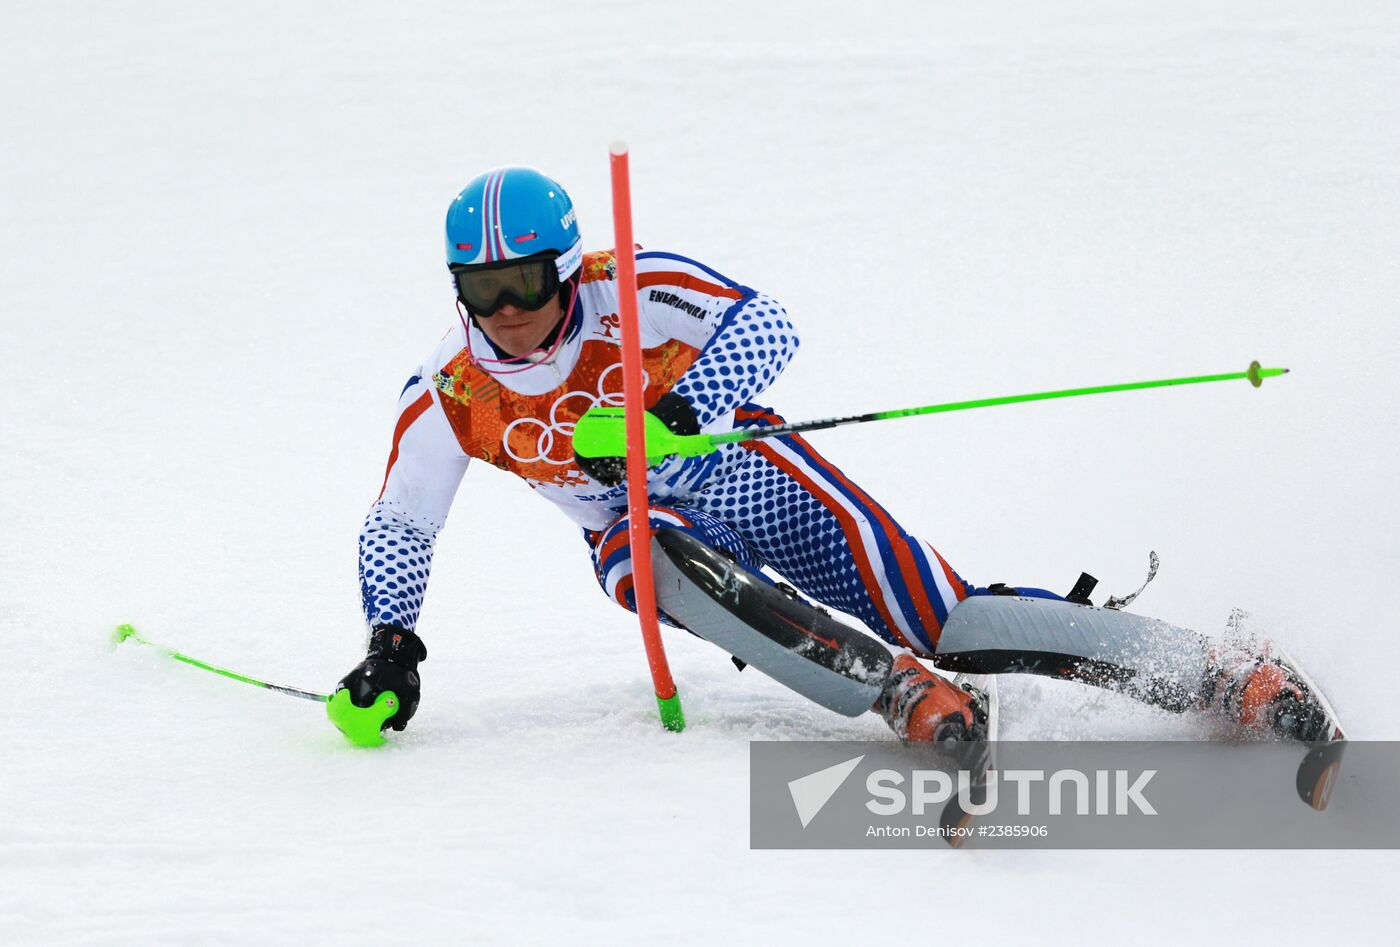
[(529, 283)]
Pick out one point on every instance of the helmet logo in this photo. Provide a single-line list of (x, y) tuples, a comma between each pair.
[(568, 219), (464, 246), (526, 236)]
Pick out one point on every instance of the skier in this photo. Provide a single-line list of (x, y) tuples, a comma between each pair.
[(536, 346)]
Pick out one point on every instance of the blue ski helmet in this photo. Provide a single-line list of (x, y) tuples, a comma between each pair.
[(511, 213)]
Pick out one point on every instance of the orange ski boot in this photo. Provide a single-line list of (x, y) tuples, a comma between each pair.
[(922, 707), (1263, 693)]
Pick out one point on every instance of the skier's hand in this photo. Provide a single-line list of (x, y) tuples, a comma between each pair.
[(390, 665), (672, 410)]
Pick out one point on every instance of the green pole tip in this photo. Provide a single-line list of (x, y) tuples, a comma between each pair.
[(672, 717), (362, 726), (122, 633)]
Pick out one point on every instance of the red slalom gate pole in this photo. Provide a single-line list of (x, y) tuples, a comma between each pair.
[(668, 701)]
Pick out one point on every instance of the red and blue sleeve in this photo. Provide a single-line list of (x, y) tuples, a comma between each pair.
[(744, 336)]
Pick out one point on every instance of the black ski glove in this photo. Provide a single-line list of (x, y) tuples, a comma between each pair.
[(390, 665), (672, 410)]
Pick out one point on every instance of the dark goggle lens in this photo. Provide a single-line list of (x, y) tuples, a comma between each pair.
[(528, 284)]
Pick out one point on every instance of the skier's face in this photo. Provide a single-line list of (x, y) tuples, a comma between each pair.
[(516, 331)]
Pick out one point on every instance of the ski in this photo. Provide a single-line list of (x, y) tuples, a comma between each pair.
[(954, 820), (1318, 772), (767, 628)]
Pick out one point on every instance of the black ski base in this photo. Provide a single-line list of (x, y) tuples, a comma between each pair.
[(1317, 774)]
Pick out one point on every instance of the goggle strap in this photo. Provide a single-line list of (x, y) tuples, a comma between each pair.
[(568, 261)]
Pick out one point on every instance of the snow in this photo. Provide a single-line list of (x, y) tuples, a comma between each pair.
[(221, 257)]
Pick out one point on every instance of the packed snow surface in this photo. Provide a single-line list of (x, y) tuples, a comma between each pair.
[(221, 256)]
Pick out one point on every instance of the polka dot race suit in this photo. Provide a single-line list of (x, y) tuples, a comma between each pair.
[(773, 502)]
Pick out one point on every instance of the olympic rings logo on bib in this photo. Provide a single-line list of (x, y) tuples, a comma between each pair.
[(553, 440)]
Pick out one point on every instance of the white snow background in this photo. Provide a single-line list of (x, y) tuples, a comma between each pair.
[(221, 256)]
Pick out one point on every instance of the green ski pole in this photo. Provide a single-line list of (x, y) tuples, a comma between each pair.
[(128, 633), (362, 726), (599, 433)]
